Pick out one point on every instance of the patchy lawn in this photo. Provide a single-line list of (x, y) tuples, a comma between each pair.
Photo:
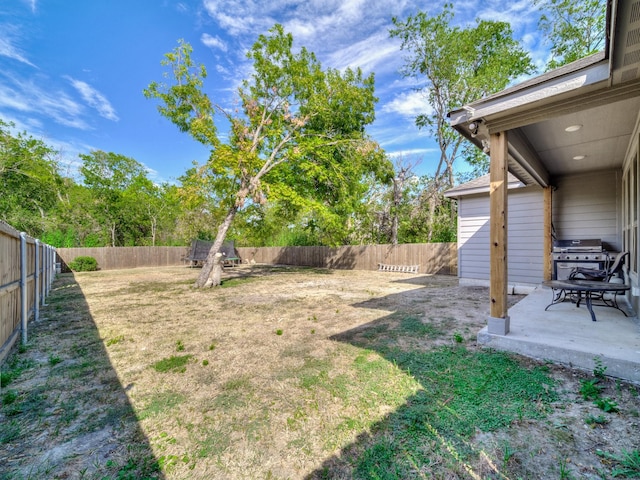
[(295, 373)]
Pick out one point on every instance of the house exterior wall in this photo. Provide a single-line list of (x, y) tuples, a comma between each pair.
[(588, 205), (525, 241)]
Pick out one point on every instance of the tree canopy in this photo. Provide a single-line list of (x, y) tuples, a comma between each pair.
[(29, 180), (456, 66), (298, 137), (574, 28)]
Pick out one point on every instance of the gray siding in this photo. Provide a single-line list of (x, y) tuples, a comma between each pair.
[(588, 206), (525, 223)]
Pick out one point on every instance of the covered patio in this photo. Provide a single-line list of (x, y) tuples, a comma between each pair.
[(571, 137), (565, 334)]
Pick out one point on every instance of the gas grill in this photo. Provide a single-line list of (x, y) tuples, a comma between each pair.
[(568, 254)]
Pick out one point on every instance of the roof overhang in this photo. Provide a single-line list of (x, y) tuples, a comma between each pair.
[(601, 93)]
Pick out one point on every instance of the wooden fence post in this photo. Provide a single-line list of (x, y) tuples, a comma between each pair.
[(24, 308), (36, 281)]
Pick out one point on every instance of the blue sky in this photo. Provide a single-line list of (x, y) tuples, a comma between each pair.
[(72, 72)]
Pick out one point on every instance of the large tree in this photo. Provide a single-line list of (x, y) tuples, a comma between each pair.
[(29, 181), (110, 177), (574, 28), (298, 135), (455, 66)]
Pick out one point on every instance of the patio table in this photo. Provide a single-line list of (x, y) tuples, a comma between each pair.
[(561, 289)]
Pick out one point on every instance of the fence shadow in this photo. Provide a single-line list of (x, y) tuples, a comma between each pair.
[(64, 412)]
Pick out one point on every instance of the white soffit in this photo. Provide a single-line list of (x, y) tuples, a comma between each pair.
[(546, 91)]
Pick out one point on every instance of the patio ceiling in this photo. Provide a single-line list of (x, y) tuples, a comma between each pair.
[(599, 144)]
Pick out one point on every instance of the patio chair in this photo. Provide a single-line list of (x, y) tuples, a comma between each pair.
[(606, 275), (616, 272)]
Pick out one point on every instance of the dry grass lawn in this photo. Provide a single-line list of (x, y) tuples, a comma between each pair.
[(286, 373)]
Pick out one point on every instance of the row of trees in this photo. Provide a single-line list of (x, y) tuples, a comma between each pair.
[(113, 202), (297, 166)]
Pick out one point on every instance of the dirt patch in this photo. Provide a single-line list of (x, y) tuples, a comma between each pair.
[(282, 373)]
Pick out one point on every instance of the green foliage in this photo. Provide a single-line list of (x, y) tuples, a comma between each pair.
[(29, 181), (574, 28), (590, 389), (599, 369), (607, 405), (627, 463), (54, 360), (593, 420), (9, 397), (298, 138), (456, 66), (83, 264)]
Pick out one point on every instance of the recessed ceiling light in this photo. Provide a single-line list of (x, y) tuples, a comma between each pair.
[(579, 157), (573, 128)]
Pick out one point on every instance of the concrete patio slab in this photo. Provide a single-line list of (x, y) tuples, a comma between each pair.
[(565, 334)]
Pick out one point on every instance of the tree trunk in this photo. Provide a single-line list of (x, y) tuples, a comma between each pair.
[(154, 227), (215, 277), (211, 271)]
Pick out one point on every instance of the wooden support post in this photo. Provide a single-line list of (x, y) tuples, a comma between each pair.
[(547, 242), (498, 323)]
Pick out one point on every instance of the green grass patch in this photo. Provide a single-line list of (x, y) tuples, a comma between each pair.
[(160, 403), (9, 431), (173, 364), (54, 360), (461, 391), (115, 340), (13, 368), (9, 397)]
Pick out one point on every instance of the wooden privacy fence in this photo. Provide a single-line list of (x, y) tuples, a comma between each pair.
[(27, 270), (113, 258), (430, 257)]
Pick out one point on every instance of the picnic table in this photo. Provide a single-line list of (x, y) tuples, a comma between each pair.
[(575, 289)]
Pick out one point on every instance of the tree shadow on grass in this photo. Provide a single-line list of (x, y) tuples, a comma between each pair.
[(64, 412), (460, 392)]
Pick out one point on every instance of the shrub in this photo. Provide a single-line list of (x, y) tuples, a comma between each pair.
[(84, 264)]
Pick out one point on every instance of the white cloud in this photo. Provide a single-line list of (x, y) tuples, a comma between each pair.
[(8, 34), (94, 99), (408, 104), (413, 152), (376, 53), (213, 42), (26, 96), (33, 4)]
